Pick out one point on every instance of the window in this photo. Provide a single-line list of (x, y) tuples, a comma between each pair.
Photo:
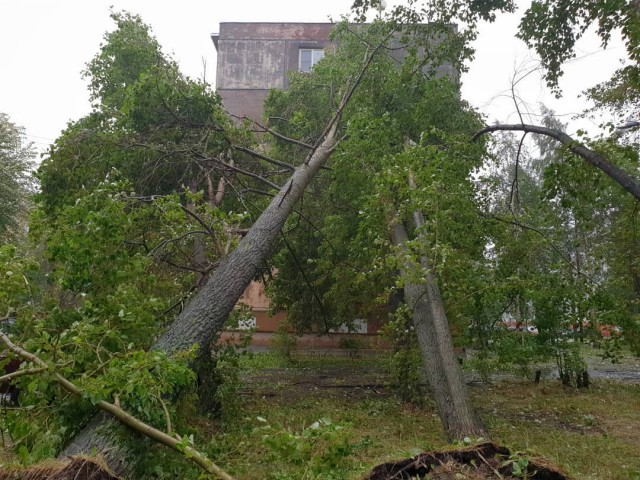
[(358, 325), (309, 57), (246, 324)]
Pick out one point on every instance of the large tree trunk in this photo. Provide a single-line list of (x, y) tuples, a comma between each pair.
[(436, 346), (205, 315)]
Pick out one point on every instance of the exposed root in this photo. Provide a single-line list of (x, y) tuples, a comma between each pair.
[(485, 461), (75, 468)]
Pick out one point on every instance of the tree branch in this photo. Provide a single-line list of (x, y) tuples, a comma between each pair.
[(177, 239), (264, 157), (266, 129), (20, 373), (258, 192), (243, 172), (618, 175), (332, 125), (129, 420), (515, 222), (306, 280)]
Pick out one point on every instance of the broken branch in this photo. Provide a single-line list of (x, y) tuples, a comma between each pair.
[(127, 419), (621, 177)]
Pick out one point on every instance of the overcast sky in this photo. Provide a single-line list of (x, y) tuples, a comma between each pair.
[(44, 45)]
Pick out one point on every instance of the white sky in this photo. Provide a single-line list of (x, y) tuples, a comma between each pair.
[(44, 45)]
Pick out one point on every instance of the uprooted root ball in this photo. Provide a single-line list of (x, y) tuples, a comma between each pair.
[(75, 468), (485, 461)]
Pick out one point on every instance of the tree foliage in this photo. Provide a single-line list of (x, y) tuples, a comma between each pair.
[(553, 27), (405, 151), (161, 130), (127, 223), (336, 264), (16, 184)]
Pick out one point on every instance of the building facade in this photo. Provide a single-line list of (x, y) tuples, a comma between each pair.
[(254, 58)]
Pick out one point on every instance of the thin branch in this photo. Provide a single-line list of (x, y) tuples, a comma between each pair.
[(316, 297), (177, 239), (197, 218), (621, 177), (266, 129), (20, 373), (203, 271), (183, 121), (127, 419), (345, 100), (182, 300), (243, 172), (253, 153), (550, 242), (326, 239), (167, 417), (258, 192)]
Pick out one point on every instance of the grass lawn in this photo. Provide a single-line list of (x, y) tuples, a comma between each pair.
[(592, 434)]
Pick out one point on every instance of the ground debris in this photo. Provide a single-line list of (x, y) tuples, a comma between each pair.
[(74, 468), (484, 461)]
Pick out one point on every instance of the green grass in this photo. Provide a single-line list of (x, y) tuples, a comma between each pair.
[(593, 434)]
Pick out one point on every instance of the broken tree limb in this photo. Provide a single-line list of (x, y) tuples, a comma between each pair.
[(618, 175), (125, 418), (20, 373)]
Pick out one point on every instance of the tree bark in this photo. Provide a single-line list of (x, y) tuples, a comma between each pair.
[(458, 418), (618, 175)]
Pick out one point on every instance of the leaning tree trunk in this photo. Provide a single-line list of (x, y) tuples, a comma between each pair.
[(206, 313), (436, 346)]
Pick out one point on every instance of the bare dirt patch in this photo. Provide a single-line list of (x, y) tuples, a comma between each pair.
[(347, 381)]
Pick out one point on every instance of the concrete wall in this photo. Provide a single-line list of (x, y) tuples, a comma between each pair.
[(254, 58), (251, 64)]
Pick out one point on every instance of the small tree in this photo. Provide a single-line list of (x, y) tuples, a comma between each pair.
[(16, 184)]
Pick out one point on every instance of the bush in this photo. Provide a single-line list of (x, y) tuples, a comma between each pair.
[(283, 342), (322, 446)]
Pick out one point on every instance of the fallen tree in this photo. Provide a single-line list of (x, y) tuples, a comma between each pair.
[(204, 316)]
